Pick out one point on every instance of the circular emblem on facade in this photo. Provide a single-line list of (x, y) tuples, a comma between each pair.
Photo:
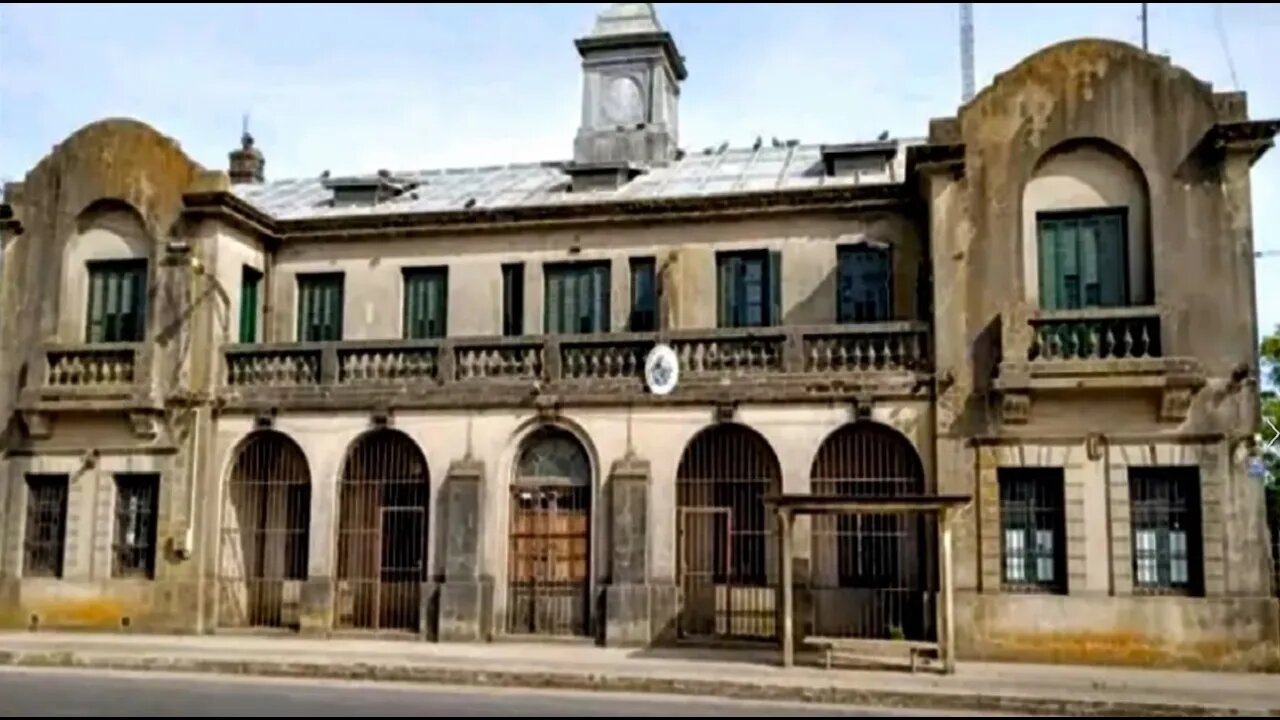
[(661, 370)]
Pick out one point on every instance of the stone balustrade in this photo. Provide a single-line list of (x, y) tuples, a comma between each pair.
[(583, 363), (91, 366), (1095, 334)]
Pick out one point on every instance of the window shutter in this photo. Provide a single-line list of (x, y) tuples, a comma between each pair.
[(1048, 265), (249, 286), (1110, 239), (600, 276), (728, 295), (513, 299), (335, 309), (774, 278), (554, 305), (97, 307)]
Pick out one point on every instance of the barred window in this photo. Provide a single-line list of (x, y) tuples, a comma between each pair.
[(135, 526), (46, 525), (1032, 517), (1164, 504)]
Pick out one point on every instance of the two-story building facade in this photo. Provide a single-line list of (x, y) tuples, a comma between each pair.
[(417, 403)]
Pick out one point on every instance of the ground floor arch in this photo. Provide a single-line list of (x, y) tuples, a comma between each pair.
[(870, 573), (724, 560), (549, 550), (383, 500), (265, 533)]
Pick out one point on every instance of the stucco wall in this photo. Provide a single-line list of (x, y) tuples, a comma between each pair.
[(373, 287), (794, 434), (87, 595), (1087, 175), (234, 250), (104, 231)]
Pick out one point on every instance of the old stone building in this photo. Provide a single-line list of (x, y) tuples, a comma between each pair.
[(417, 403)]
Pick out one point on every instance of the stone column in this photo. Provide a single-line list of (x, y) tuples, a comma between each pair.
[(464, 594), (627, 599)]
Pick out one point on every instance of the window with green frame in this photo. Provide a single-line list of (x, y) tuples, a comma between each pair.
[(644, 295), (1083, 258), (426, 297), (513, 299), (749, 288), (250, 299), (1033, 518), (319, 307), (577, 297), (117, 310), (864, 285)]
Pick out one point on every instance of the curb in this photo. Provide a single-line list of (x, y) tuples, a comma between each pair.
[(437, 675)]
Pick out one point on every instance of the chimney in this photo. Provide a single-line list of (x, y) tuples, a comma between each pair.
[(247, 163), (631, 86)]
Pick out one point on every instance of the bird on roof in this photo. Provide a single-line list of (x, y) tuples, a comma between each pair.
[(776, 142), (470, 203), (723, 146), (759, 142), (883, 136)]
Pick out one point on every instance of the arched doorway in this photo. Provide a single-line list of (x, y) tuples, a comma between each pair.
[(726, 574), (382, 533), (548, 563), (265, 533), (869, 576)]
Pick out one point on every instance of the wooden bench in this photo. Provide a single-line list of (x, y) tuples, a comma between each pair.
[(864, 649)]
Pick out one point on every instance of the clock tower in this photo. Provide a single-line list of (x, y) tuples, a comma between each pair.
[(630, 89)]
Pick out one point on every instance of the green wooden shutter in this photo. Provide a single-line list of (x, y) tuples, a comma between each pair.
[(728, 291), (774, 279), (1083, 261), (425, 298), (320, 307), (97, 307), (600, 320), (1112, 255), (117, 301), (513, 299), (250, 285), (643, 295), (553, 309), (1048, 251)]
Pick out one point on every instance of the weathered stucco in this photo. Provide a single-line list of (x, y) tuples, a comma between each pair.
[(1076, 125)]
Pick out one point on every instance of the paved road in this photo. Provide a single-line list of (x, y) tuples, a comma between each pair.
[(25, 693)]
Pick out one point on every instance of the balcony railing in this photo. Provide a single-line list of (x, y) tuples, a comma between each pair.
[(583, 361), (1095, 334), (105, 366)]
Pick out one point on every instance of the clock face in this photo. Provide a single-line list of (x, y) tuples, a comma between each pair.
[(623, 104)]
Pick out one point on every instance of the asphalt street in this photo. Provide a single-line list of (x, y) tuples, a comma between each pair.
[(52, 693)]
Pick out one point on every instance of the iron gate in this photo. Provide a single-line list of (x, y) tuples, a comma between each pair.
[(548, 562), (869, 576), (382, 533), (724, 542), (265, 532)]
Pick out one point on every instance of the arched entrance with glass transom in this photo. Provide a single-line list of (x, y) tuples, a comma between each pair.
[(549, 538)]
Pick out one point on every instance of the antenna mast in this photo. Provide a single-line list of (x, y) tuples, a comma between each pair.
[(1144, 27), (966, 51)]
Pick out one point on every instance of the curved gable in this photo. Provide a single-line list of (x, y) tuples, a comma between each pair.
[(119, 159)]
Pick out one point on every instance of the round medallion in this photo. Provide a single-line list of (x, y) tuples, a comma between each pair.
[(661, 370)]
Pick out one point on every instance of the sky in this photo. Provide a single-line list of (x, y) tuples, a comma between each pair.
[(357, 87)]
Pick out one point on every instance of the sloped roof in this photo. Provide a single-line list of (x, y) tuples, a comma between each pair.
[(728, 172)]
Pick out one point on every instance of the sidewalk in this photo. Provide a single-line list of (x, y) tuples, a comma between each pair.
[(998, 687)]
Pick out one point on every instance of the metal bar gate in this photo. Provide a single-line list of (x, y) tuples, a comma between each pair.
[(265, 534)]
